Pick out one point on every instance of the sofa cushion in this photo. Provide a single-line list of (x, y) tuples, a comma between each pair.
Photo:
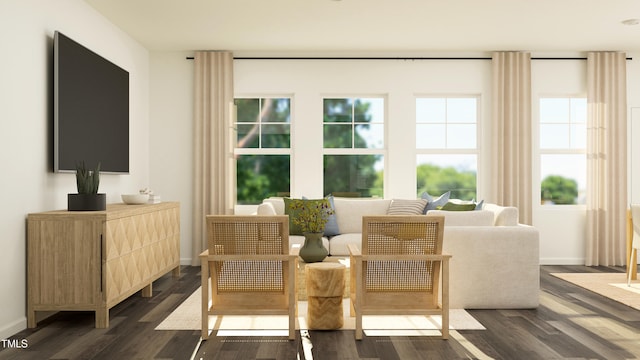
[(465, 218), (339, 244), (349, 212), (407, 207)]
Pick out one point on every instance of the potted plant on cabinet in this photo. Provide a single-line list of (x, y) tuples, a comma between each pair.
[(87, 198)]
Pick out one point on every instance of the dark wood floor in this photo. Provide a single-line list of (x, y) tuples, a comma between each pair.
[(571, 323)]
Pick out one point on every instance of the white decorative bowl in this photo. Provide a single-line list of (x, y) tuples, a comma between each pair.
[(133, 199)]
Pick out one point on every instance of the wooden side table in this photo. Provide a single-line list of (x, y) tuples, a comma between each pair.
[(325, 287)]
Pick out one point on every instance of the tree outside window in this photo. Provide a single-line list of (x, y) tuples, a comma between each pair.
[(563, 162), (446, 146), (263, 149), (353, 138)]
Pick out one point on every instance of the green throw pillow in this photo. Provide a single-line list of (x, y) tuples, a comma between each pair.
[(451, 206)]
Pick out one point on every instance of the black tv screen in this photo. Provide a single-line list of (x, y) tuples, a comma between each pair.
[(91, 109)]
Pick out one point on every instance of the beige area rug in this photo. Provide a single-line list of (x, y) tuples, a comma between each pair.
[(187, 316), (611, 285)]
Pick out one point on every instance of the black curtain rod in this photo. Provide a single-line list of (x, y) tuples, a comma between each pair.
[(395, 58)]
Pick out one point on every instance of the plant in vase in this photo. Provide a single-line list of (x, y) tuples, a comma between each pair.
[(87, 198), (311, 217)]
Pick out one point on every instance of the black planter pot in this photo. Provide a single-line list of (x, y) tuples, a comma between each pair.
[(86, 202)]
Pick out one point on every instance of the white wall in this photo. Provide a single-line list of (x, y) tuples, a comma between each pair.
[(171, 137), (27, 184)]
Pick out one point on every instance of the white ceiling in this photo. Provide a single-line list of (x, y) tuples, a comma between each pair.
[(377, 25)]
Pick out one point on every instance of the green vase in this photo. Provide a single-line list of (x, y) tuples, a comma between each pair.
[(313, 250)]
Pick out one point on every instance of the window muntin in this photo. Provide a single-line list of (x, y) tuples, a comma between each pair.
[(446, 123), (447, 146), (563, 137), (354, 146), (563, 123), (263, 123), (353, 123), (263, 148)]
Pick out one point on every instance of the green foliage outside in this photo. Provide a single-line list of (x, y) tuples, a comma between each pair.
[(348, 173), (558, 190), (436, 180), (262, 176)]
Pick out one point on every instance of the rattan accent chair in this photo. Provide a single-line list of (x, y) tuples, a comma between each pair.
[(252, 269), (399, 268)]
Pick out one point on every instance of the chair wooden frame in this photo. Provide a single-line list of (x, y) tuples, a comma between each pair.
[(252, 269), (400, 249)]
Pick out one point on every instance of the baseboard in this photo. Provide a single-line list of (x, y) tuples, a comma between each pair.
[(562, 261), (13, 328)]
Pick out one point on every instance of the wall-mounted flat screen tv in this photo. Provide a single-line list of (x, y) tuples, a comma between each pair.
[(91, 109)]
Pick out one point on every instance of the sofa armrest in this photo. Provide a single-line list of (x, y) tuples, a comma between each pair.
[(494, 267), (266, 208), (503, 215)]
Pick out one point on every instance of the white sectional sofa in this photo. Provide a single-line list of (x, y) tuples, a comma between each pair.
[(495, 260)]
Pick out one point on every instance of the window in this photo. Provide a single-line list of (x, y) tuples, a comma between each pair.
[(263, 148), (447, 146), (563, 138), (353, 138)]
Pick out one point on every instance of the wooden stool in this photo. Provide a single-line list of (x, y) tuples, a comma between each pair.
[(325, 287)]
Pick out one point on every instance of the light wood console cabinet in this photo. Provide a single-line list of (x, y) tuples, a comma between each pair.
[(92, 260)]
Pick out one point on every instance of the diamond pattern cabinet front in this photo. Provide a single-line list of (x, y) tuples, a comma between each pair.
[(139, 248)]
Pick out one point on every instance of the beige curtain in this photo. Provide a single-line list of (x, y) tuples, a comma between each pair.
[(606, 158), (511, 152), (214, 171)]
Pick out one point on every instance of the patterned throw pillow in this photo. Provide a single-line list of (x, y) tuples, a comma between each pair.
[(407, 207)]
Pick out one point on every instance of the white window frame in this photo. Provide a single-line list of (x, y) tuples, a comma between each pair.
[(243, 208), (453, 151), (360, 151), (554, 151)]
